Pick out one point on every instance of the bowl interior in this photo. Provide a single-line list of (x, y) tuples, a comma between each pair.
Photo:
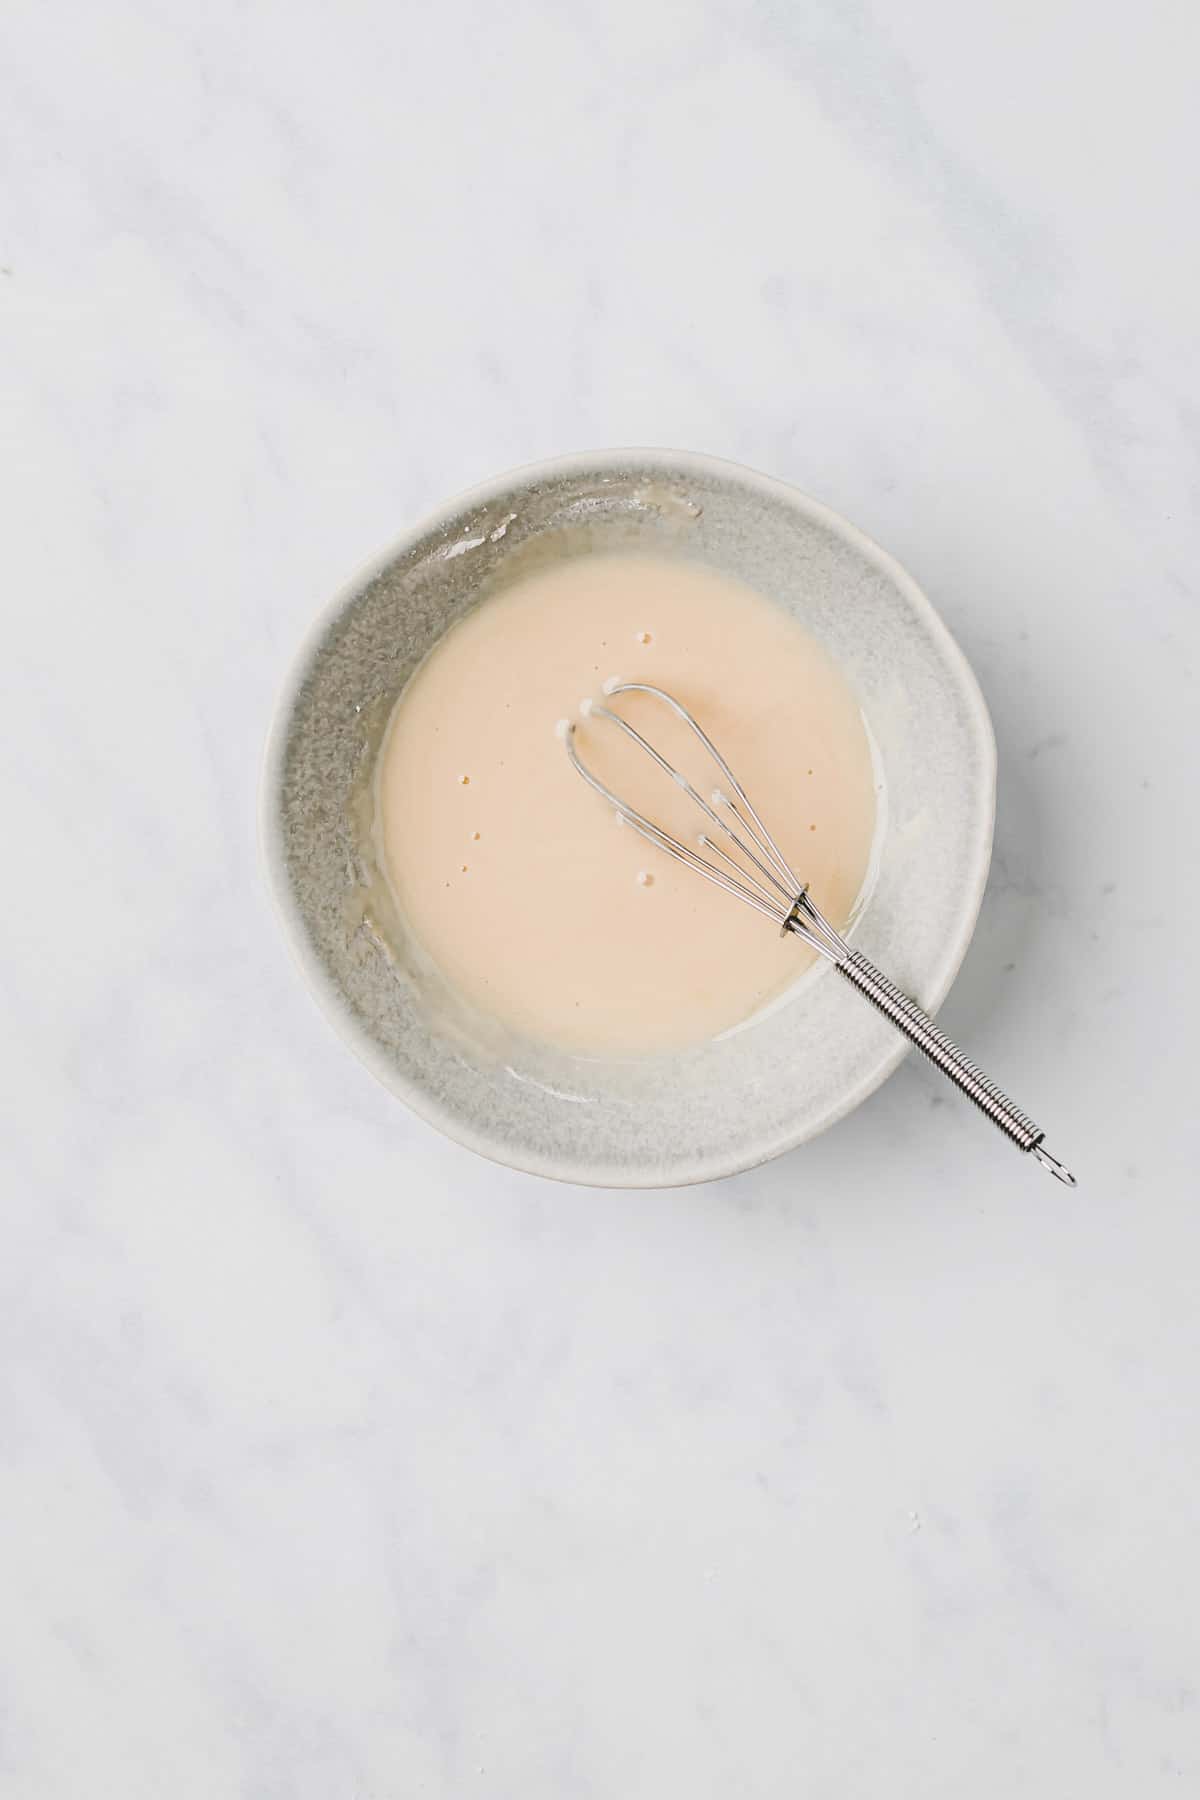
[(723, 1106)]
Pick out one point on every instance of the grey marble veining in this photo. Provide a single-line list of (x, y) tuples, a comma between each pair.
[(333, 1462)]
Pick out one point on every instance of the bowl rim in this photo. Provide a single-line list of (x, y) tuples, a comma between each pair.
[(325, 991)]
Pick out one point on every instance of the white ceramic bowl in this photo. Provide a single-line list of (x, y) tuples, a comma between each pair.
[(759, 1091)]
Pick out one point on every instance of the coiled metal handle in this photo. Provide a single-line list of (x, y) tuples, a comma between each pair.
[(944, 1053)]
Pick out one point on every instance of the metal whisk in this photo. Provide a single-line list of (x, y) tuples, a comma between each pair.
[(760, 876)]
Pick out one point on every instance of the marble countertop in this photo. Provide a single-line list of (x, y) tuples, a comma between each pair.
[(335, 1464)]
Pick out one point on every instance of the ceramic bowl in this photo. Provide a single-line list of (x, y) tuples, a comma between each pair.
[(746, 1097)]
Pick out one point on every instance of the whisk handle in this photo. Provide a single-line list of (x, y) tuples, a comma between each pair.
[(945, 1055)]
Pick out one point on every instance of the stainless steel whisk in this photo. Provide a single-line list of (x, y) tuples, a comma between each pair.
[(763, 879)]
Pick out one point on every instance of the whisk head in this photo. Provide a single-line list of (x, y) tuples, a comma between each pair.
[(735, 851)]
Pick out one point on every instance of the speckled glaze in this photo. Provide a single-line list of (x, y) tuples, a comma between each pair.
[(763, 1089)]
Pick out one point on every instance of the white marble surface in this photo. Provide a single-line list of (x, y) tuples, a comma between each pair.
[(334, 1464)]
